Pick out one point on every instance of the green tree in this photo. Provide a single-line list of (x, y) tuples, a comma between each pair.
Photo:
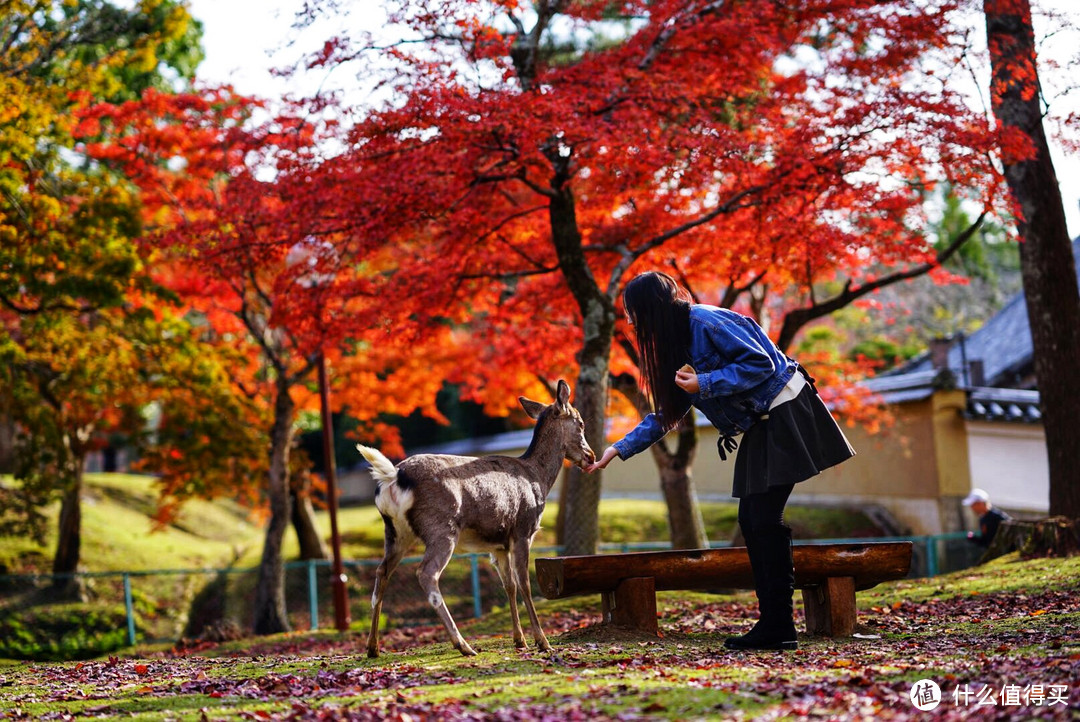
[(80, 317)]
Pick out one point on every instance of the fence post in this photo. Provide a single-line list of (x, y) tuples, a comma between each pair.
[(931, 556), (129, 608), (478, 607), (313, 594)]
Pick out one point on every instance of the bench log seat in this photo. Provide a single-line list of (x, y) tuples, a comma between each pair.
[(828, 575)]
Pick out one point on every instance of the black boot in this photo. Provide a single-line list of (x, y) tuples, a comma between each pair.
[(774, 579)]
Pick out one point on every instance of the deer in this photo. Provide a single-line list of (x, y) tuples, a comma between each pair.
[(487, 504)]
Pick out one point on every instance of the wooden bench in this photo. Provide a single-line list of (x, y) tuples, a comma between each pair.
[(828, 575)]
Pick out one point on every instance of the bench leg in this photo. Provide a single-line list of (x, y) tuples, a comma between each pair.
[(632, 605), (830, 608)]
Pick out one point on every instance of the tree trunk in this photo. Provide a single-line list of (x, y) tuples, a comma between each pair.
[(69, 541), (269, 613), (684, 515), (686, 527), (1057, 536), (312, 545), (1046, 259), (581, 498), (7, 429)]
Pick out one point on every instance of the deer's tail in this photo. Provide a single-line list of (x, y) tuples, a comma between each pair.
[(390, 499), (382, 468)]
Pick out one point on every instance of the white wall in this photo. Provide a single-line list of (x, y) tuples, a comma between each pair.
[(1009, 462)]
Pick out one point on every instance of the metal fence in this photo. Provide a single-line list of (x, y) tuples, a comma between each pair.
[(174, 604)]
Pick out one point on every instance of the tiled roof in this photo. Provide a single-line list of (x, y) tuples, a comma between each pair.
[(898, 388), (1016, 405), (983, 403)]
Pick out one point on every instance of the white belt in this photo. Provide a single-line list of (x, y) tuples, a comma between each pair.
[(789, 392)]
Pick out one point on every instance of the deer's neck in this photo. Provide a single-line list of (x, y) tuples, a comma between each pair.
[(545, 458)]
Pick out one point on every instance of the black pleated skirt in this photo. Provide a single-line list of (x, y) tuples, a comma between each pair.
[(795, 441)]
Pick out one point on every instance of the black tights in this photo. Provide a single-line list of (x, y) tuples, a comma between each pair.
[(763, 514), (768, 546)]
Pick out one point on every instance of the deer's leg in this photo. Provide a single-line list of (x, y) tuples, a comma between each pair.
[(520, 561), (508, 577), (396, 547), (436, 557)]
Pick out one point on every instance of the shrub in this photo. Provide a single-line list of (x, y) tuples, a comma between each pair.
[(62, 632)]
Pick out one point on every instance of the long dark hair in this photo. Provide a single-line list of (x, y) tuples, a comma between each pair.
[(659, 308)]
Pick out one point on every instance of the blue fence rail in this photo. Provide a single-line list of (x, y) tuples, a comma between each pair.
[(934, 554)]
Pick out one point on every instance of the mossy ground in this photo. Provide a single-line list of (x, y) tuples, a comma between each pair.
[(1008, 622)]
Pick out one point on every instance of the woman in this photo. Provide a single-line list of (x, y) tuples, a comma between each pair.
[(723, 364)]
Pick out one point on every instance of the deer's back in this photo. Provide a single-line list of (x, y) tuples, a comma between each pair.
[(490, 497), (464, 472)]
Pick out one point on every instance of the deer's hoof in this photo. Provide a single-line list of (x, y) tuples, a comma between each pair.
[(466, 650), (372, 653)]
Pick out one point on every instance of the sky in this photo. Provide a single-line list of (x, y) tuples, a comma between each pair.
[(244, 39)]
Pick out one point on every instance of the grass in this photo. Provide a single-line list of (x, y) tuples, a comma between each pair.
[(119, 532), (1005, 575), (1010, 621), (1006, 620)]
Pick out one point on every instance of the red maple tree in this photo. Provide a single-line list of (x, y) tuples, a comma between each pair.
[(244, 223), (533, 156)]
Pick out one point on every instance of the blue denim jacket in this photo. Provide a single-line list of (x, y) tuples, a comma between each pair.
[(740, 371)]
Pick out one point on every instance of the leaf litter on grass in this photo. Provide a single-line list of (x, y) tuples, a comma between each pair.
[(984, 640)]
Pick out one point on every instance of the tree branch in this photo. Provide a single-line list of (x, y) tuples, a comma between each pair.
[(525, 50), (733, 291), (688, 15), (796, 319), (510, 274), (628, 386), (45, 307), (629, 256), (684, 280)]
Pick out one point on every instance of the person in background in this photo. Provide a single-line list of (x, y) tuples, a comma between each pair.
[(990, 517), (723, 363)]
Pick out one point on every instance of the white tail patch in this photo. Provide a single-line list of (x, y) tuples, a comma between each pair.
[(391, 499), (382, 468)]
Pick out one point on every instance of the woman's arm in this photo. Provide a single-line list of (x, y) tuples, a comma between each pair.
[(641, 437), (749, 365), (609, 453)]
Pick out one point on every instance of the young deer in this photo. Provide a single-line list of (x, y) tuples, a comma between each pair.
[(489, 504)]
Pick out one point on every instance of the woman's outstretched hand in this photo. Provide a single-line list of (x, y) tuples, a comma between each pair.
[(605, 458)]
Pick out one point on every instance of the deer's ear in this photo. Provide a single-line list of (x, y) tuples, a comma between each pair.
[(563, 394), (532, 408)]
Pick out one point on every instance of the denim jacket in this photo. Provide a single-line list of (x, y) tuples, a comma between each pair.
[(739, 369)]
